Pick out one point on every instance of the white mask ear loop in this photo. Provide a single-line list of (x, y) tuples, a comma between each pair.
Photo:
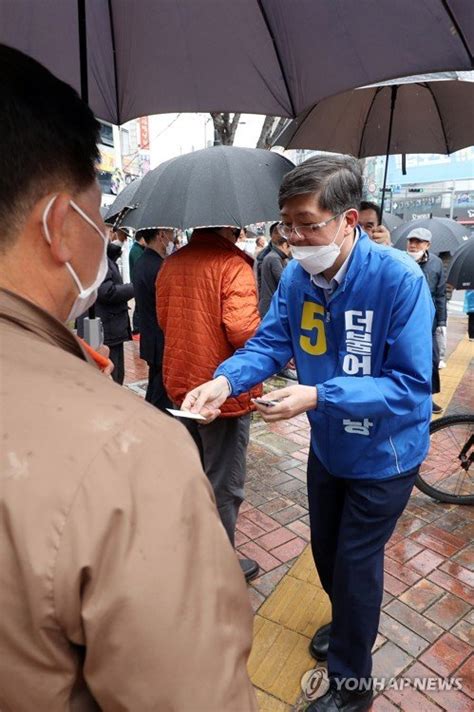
[(48, 240)]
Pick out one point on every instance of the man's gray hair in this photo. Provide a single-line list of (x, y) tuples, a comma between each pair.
[(336, 180)]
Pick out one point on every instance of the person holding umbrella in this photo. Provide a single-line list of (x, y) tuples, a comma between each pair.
[(418, 247), (357, 319), (370, 220)]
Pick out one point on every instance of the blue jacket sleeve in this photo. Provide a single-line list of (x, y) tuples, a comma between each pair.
[(264, 354), (405, 380)]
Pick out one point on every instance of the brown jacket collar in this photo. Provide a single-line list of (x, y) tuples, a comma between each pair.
[(29, 316)]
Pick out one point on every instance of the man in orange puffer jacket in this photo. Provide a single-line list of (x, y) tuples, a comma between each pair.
[(206, 302)]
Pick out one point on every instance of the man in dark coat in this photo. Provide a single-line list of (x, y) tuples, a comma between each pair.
[(135, 254), (418, 246), (112, 307), (261, 255), (159, 243), (272, 267)]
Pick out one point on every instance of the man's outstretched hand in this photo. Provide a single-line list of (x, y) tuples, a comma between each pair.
[(207, 398), (293, 400)]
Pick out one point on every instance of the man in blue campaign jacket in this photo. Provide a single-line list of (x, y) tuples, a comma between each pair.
[(356, 317)]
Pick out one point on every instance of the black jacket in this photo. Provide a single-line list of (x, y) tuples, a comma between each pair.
[(112, 302), (432, 268), (259, 262), (272, 266), (144, 279)]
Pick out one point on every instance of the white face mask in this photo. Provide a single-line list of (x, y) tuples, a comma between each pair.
[(417, 255), (169, 248), (318, 258), (88, 295)]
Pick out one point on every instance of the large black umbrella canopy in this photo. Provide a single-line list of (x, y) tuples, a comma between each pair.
[(447, 234), (217, 186), (461, 270), (134, 58), (427, 117), (391, 221), (124, 200), (408, 117)]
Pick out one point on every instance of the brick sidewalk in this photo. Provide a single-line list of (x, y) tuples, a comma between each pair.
[(426, 627)]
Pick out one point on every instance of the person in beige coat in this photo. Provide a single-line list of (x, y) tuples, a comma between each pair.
[(119, 590)]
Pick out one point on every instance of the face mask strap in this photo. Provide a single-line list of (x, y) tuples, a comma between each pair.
[(89, 220)]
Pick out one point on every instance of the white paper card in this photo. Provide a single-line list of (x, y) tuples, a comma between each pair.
[(185, 414)]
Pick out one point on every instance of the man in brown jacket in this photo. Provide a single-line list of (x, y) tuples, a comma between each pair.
[(118, 587)]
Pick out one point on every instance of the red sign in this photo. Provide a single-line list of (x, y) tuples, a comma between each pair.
[(144, 132)]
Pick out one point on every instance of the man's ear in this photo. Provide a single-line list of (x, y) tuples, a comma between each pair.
[(352, 218), (51, 216)]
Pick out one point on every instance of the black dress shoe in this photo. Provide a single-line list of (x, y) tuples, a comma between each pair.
[(320, 643), (342, 701), (437, 408), (250, 568)]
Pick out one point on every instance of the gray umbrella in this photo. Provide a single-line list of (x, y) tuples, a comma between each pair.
[(222, 185), (274, 57), (391, 221), (461, 270), (125, 199), (410, 117), (447, 234)]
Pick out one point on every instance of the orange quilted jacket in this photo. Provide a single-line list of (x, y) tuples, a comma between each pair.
[(207, 307)]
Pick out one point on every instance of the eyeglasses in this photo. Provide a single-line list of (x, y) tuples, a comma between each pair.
[(304, 231)]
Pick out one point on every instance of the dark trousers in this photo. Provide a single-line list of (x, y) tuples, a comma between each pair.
[(435, 380), (116, 356), (155, 392), (223, 448), (351, 521), (470, 325)]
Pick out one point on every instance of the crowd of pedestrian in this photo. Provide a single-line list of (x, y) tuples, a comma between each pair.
[(119, 581)]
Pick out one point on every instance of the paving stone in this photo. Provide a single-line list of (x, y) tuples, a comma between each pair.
[(250, 529), (300, 528), (466, 673), (393, 585), (285, 516), (453, 585), (402, 636), (408, 524), (288, 551), (288, 487), (421, 595), (466, 557), (390, 660), (275, 505), (277, 443), (410, 699), (240, 538), (275, 538), (460, 572), (404, 573), (446, 654), (404, 550), (383, 704), (450, 521), (299, 473), (449, 537), (452, 700), (266, 561), (464, 630), (266, 583), (447, 611), (256, 598), (441, 547), (300, 497), (288, 463), (262, 520), (425, 562), (413, 620)]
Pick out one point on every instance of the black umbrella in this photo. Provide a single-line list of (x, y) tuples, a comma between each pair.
[(411, 116), (461, 270), (274, 57), (222, 185), (447, 234), (124, 200)]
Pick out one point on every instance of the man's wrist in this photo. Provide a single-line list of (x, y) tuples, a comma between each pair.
[(229, 385)]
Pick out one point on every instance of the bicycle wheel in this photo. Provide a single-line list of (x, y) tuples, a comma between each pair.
[(447, 473)]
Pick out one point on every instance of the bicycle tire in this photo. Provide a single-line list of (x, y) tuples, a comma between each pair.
[(428, 488)]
